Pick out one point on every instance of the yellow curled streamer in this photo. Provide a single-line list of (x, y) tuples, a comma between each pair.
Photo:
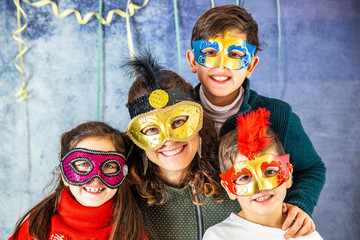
[(19, 57), (130, 11)]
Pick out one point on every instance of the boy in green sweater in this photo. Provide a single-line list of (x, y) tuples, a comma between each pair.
[(224, 45)]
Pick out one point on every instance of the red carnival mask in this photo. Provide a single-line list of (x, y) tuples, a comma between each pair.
[(265, 172)]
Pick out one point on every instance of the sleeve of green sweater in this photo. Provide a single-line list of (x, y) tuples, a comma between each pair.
[(309, 170)]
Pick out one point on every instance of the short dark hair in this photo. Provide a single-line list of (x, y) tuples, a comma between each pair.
[(219, 19)]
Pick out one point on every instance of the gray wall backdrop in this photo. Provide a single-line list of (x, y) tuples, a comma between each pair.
[(319, 72)]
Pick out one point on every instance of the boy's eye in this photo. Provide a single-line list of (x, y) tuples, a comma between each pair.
[(243, 179), (82, 166), (150, 130), (271, 171), (236, 54), (179, 121), (209, 52), (110, 167)]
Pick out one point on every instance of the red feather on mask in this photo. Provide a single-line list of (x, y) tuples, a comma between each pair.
[(251, 131)]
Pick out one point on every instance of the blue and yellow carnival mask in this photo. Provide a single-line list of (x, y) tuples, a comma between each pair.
[(223, 50)]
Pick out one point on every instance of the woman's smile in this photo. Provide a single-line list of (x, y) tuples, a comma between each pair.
[(173, 152)]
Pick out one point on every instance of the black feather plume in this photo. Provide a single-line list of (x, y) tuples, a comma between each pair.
[(145, 65)]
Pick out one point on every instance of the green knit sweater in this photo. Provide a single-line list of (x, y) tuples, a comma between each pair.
[(179, 218), (309, 170)]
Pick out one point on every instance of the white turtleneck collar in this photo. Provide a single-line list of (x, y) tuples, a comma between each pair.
[(220, 113)]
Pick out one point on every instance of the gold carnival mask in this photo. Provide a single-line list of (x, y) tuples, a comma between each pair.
[(265, 172), (223, 50), (165, 114), (178, 122)]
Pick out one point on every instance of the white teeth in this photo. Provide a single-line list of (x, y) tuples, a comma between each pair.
[(263, 198), (219, 78), (93, 189), (173, 152)]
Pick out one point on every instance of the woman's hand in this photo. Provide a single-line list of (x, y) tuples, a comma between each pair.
[(300, 222)]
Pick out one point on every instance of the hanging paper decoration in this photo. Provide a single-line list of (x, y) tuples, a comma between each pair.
[(131, 11), (18, 61), (17, 36)]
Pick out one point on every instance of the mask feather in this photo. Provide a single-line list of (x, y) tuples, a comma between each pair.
[(145, 65), (251, 131)]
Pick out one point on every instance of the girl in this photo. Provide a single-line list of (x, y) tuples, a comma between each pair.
[(91, 200), (178, 183)]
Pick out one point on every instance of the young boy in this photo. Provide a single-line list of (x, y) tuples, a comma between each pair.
[(255, 172), (224, 46)]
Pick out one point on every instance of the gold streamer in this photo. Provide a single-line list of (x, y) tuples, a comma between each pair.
[(19, 57), (130, 11)]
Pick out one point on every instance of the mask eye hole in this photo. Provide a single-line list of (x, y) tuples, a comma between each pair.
[(236, 54), (81, 166), (179, 121), (209, 52), (111, 167), (243, 179), (271, 171), (150, 130)]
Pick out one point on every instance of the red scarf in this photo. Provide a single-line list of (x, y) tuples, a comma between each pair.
[(73, 221)]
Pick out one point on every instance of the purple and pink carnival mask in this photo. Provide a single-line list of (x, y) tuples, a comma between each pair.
[(80, 166)]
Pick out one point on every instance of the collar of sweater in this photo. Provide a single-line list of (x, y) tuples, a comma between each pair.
[(220, 113), (78, 216)]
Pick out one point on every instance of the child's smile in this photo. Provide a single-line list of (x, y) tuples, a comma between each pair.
[(220, 77), (263, 199), (93, 190)]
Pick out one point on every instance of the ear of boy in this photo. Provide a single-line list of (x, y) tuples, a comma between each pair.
[(191, 59), (230, 194), (289, 181), (254, 61)]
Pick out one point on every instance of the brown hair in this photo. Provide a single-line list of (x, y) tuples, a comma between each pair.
[(203, 171), (219, 19), (127, 218), (228, 150)]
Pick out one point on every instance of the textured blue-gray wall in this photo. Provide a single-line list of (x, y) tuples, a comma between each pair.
[(319, 78)]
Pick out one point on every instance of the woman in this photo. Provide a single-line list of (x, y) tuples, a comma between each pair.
[(176, 166)]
